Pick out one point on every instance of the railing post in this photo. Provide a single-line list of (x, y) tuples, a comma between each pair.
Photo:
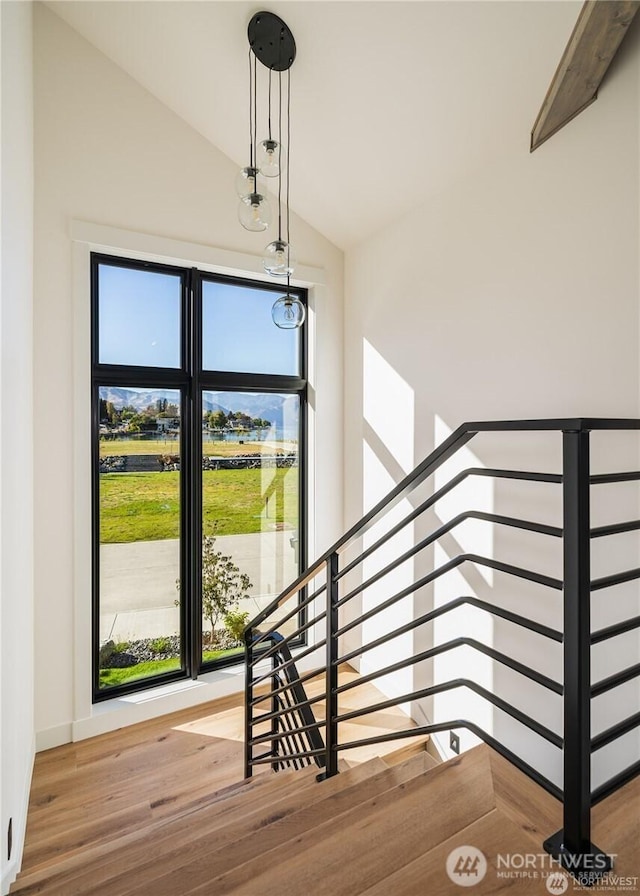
[(572, 845), (331, 699), (248, 699)]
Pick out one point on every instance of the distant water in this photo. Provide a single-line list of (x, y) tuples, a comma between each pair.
[(253, 435)]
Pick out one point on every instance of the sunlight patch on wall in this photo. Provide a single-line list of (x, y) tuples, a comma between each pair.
[(376, 483), (388, 455), (388, 406)]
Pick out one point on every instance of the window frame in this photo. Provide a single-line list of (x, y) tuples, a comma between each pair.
[(191, 381)]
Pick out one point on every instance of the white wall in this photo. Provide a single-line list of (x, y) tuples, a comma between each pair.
[(109, 153), (16, 439), (512, 295)]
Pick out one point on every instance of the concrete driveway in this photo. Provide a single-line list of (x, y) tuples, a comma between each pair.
[(138, 581)]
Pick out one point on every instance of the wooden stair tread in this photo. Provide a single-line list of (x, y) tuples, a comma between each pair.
[(286, 819), (493, 834), (362, 840)]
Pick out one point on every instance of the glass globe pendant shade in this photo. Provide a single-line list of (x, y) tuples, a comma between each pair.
[(254, 212), (247, 181), (288, 312), (278, 259), (270, 157)]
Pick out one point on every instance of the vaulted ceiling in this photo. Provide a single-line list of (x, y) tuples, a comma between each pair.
[(392, 101)]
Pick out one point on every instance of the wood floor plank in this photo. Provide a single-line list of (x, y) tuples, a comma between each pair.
[(616, 829), (79, 869)]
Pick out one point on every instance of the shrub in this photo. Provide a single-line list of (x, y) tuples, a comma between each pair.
[(235, 623), (160, 645)]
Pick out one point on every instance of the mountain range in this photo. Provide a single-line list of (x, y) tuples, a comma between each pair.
[(280, 410)]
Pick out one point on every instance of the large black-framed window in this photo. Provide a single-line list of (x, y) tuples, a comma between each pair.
[(199, 413)]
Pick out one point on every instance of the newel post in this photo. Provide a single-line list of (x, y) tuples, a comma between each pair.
[(331, 699), (572, 845)]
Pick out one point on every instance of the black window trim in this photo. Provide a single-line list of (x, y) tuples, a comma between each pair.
[(191, 381)]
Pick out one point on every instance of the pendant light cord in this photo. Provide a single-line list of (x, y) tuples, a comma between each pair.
[(251, 165), (269, 104), (288, 163), (280, 156), (255, 119)]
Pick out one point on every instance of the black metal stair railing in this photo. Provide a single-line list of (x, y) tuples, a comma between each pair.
[(311, 617)]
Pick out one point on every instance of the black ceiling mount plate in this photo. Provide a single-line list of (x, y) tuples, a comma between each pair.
[(272, 41)]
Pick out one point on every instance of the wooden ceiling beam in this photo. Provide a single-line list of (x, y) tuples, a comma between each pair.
[(598, 33)]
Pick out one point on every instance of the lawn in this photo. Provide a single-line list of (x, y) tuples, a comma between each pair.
[(111, 677), (119, 447), (146, 506)]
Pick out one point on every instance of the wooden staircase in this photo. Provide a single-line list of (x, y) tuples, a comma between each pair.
[(131, 814)]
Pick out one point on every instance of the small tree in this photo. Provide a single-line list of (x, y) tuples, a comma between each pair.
[(223, 585)]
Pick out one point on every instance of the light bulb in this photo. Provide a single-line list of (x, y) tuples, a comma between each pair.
[(288, 312), (247, 181), (278, 259), (270, 157), (254, 212)]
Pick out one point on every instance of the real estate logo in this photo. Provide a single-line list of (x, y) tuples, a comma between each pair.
[(466, 866), (557, 883)]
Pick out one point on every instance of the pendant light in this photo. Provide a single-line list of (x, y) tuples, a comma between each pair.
[(272, 44)]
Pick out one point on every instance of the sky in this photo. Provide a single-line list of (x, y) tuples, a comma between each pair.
[(139, 324)]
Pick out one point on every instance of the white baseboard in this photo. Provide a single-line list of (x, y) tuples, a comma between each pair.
[(53, 737), (11, 868)]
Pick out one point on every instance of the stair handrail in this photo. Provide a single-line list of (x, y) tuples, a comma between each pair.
[(571, 845)]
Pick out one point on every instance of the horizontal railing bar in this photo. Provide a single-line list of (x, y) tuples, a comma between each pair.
[(286, 639), (607, 684), (263, 756), (605, 478), (615, 529), (299, 729), (287, 663), (429, 465), (615, 783), (629, 575), (527, 672), (295, 706), (616, 731), (289, 756), (475, 729), (438, 495), (447, 608), (498, 702), (442, 570), (300, 606), (611, 631), (300, 680), (434, 536)]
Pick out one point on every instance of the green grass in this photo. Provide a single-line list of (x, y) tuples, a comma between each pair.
[(111, 677), (146, 506)]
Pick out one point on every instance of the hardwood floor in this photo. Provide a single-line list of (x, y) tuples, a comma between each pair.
[(159, 809)]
